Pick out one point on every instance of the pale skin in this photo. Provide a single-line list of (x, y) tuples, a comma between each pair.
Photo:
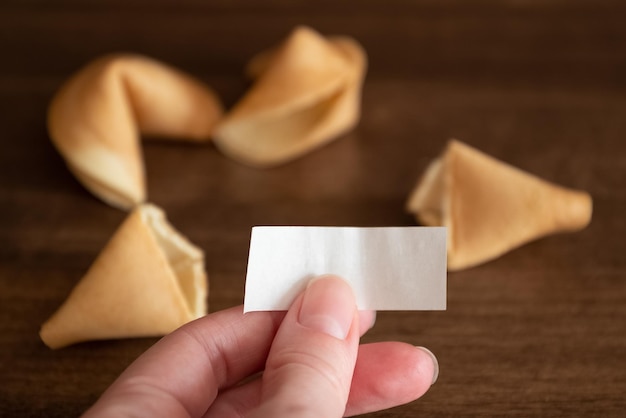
[(311, 362)]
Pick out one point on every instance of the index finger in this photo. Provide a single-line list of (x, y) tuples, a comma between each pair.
[(184, 370)]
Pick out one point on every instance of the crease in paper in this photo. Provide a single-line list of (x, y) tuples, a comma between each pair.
[(389, 268)]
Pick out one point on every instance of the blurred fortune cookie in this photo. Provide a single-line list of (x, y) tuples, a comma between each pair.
[(96, 117), (147, 281), (307, 93), (491, 207)]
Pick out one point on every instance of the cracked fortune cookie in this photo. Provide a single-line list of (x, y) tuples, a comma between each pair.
[(491, 207), (147, 281)]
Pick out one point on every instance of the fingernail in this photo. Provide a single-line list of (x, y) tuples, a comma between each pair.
[(367, 319), (328, 306), (435, 363)]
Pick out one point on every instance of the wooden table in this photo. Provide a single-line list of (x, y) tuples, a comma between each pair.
[(540, 331)]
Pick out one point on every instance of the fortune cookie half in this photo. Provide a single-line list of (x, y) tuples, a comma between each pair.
[(147, 281), (307, 93), (491, 207), (96, 117)]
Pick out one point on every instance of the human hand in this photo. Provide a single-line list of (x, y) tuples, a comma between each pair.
[(312, 365)]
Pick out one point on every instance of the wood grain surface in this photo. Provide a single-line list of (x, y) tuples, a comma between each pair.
[(540, 331)]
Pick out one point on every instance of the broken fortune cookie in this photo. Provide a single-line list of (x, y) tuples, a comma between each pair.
[(96, 117), (307, 93), (147, 281), (491, 207)]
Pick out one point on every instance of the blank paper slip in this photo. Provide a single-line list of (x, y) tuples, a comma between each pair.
[(389, 268)]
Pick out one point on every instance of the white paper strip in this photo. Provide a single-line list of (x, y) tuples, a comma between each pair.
[(389, 268)]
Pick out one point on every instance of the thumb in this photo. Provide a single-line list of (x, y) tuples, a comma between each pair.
[(311, 362)]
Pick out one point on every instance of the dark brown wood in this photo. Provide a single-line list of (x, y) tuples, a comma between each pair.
[(540, 331)]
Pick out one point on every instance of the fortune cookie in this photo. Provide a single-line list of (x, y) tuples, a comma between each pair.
[(307, 93), (96, 117), (147, 281), (491, 207)]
